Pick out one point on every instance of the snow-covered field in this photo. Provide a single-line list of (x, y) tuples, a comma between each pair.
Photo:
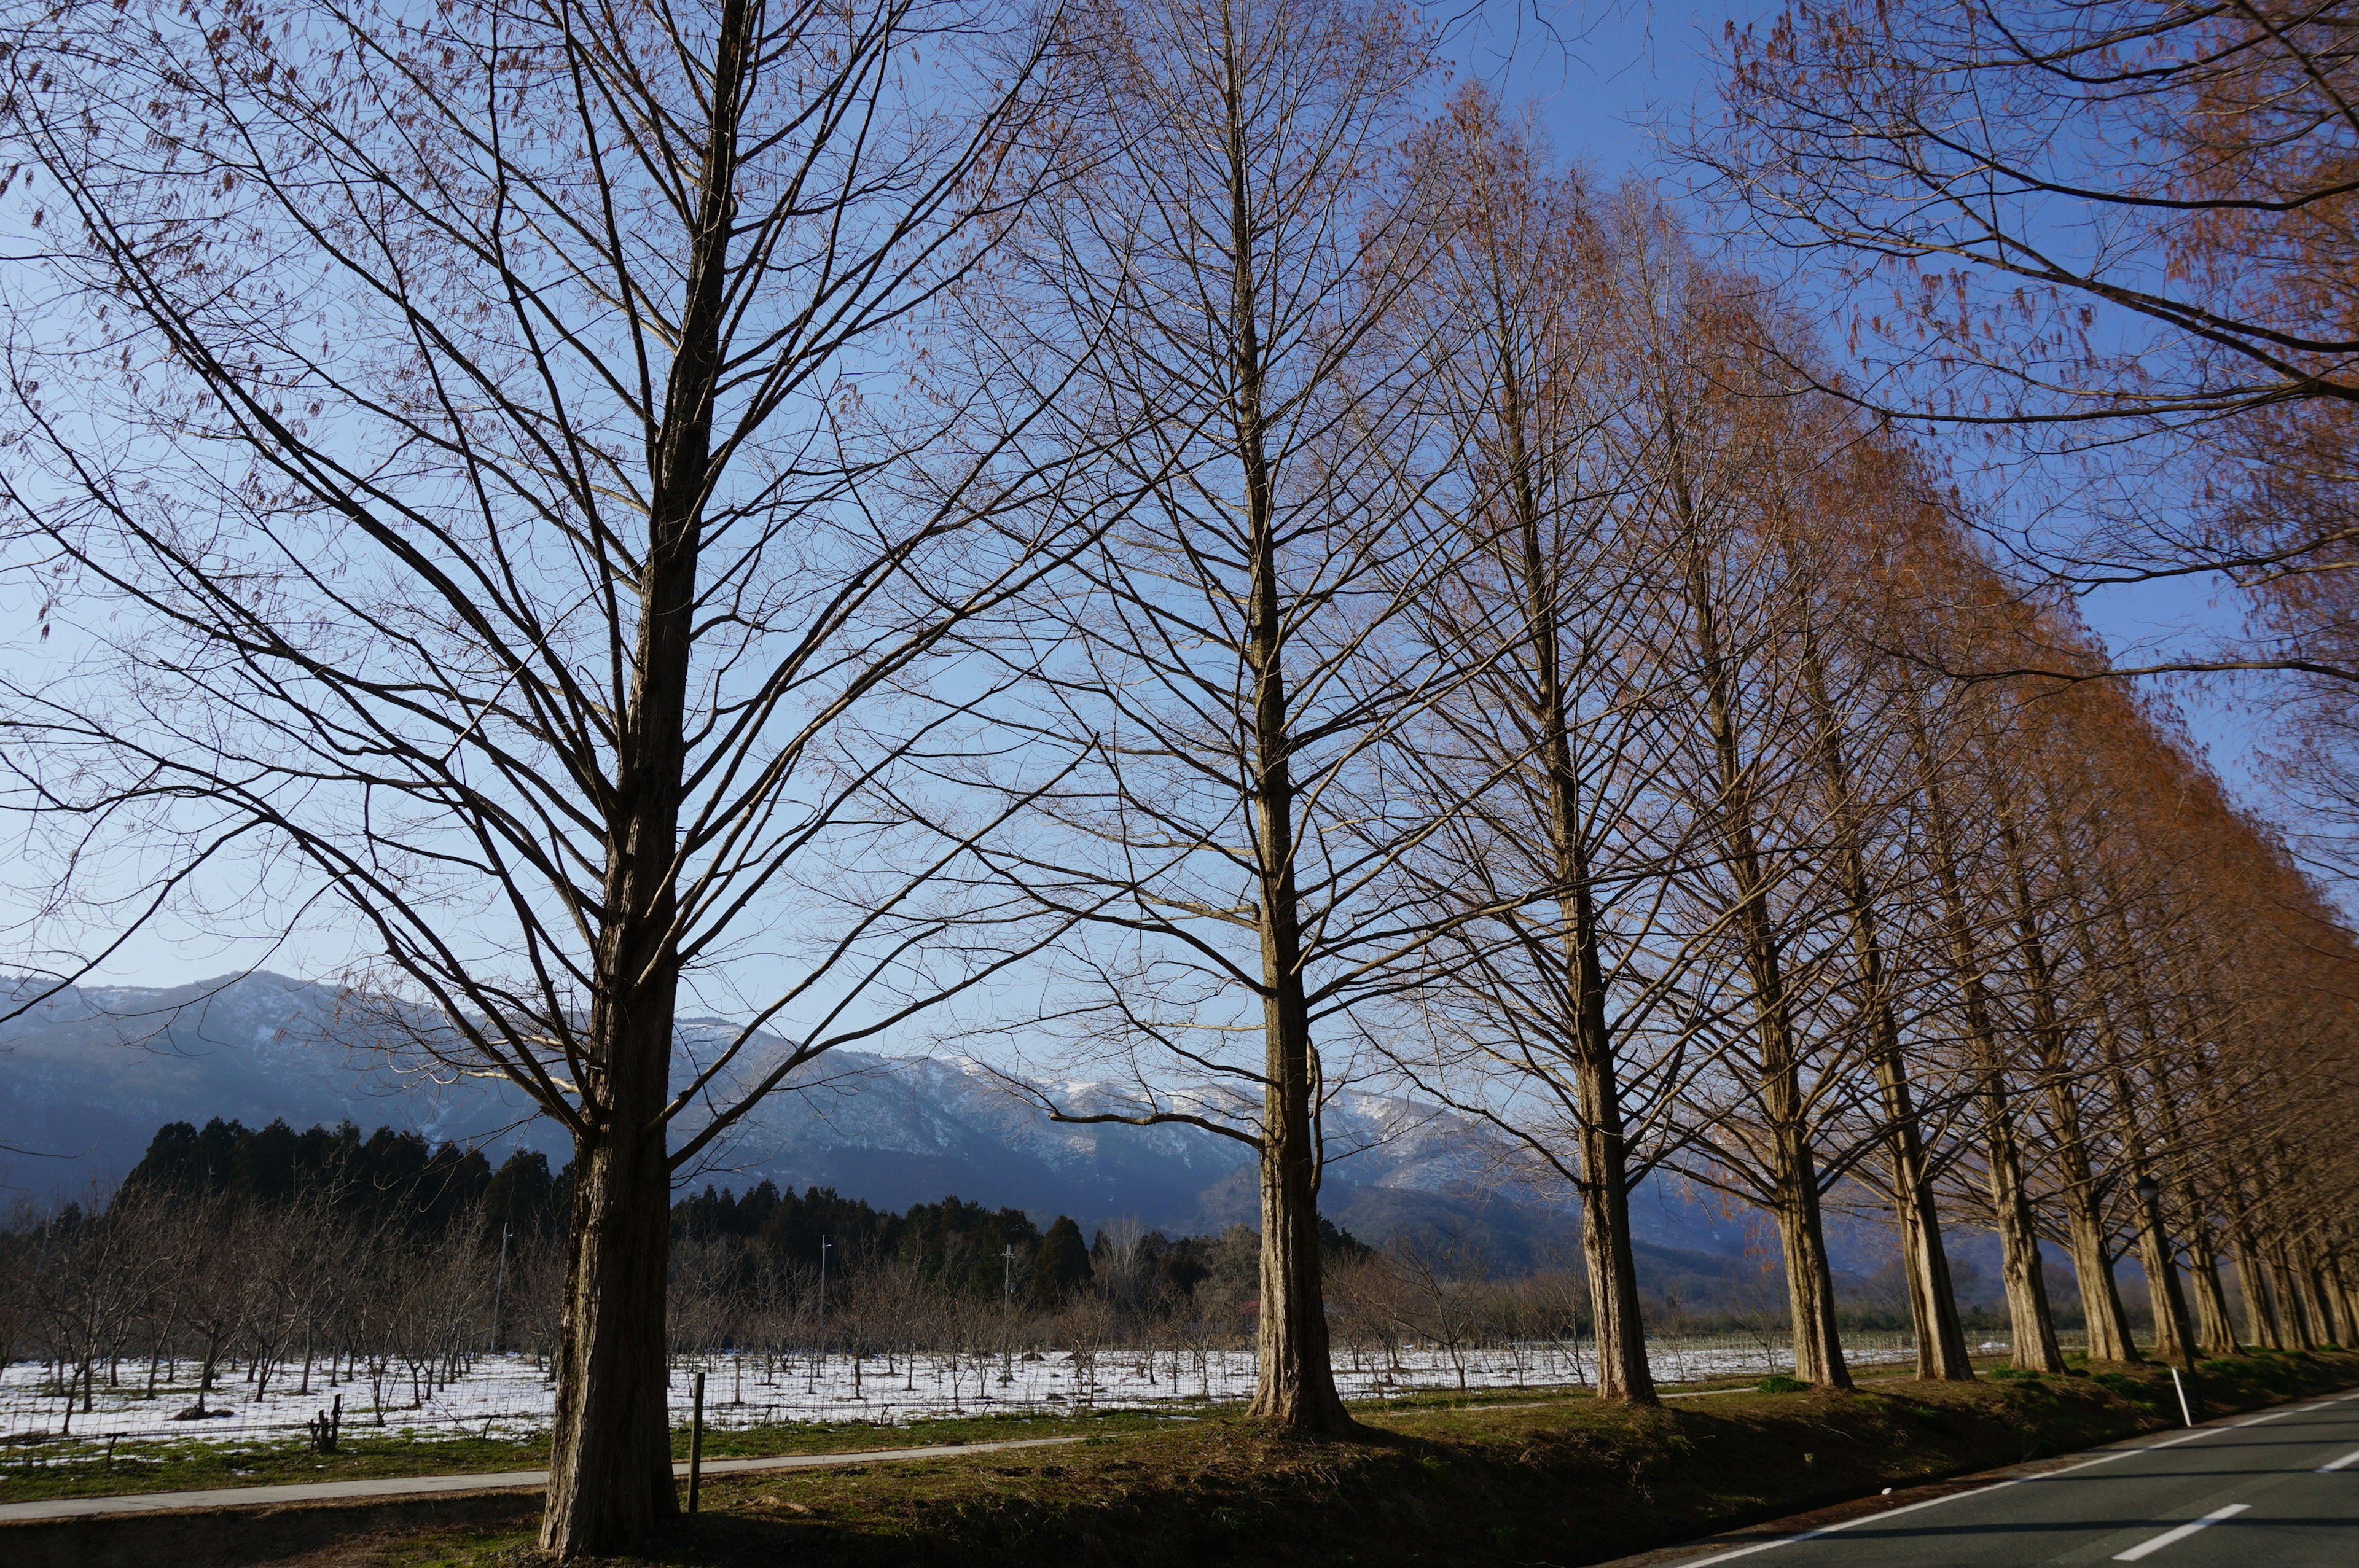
[(508, 1396)]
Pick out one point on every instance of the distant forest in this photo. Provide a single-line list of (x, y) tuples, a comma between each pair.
[(401, 1180)]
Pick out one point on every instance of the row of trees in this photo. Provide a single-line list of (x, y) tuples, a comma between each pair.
[(834, 511)]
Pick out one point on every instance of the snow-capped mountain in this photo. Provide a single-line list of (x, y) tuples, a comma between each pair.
[(87, 1078)]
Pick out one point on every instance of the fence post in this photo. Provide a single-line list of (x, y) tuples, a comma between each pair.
[(696, 1446)]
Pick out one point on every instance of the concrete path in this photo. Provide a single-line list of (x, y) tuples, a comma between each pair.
[(2279, 1489), (428, 1485)]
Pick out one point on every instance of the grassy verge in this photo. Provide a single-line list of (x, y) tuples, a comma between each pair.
[(1534, 1480)]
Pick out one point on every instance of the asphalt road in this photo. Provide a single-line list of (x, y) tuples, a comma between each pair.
[(2277, 1490)]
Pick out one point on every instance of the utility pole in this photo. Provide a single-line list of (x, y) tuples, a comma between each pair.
[(821, 1354), (696, 1448), (1006, 1314)]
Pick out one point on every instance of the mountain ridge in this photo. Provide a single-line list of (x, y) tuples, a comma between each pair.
[(89, 1076)]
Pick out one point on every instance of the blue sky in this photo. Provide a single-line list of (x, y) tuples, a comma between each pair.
[(1611, 79)]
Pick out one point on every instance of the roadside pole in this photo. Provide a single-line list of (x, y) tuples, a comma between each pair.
[(696, 1447)]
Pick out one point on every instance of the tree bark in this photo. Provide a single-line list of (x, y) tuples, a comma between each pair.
[(1941, 1353), (1620, 1329), (2020, 1266), (610, 1458)]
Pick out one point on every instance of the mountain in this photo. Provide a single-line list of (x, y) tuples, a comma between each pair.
[(87, 1078)]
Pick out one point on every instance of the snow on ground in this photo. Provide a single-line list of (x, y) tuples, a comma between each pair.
[(508, 1396)]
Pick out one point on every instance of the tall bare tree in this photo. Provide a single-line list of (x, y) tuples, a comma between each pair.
[(1861, 523), (1227, 671), (474, 435), (1727, 457), (1539, 1017)]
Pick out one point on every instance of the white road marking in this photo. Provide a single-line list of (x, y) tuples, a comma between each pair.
[(2349, 1458), (2108, 1458), (2147, 1548), (1864, 1519)]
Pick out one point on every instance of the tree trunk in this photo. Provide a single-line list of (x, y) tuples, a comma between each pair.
[(2174, 1330), (2331, 1328), (2215, 1331), (2297, 1316), (1942, 1354), (1621, 1331), (2032, 1324), (1932, 1303), (2260, 1314), (610, 1460), (1810, 1276), (2100, 1298), (610, 1457), (2032, 1320), (1793, 1170), (1295, 1380), (1623, 1373)]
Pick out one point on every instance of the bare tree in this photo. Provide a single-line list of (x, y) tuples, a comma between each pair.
[(1729, 447), (1540, 1001), (1860, 701), (1225, 672), (473, 435)]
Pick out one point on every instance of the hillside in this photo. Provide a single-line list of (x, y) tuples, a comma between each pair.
[(87, 1078)]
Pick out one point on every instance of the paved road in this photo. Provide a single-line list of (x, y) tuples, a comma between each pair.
[(427, 1486), (2280, 1489)]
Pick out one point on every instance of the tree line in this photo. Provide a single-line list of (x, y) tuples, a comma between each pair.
[(325, 1256), (658, 514), (397, 1182)]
